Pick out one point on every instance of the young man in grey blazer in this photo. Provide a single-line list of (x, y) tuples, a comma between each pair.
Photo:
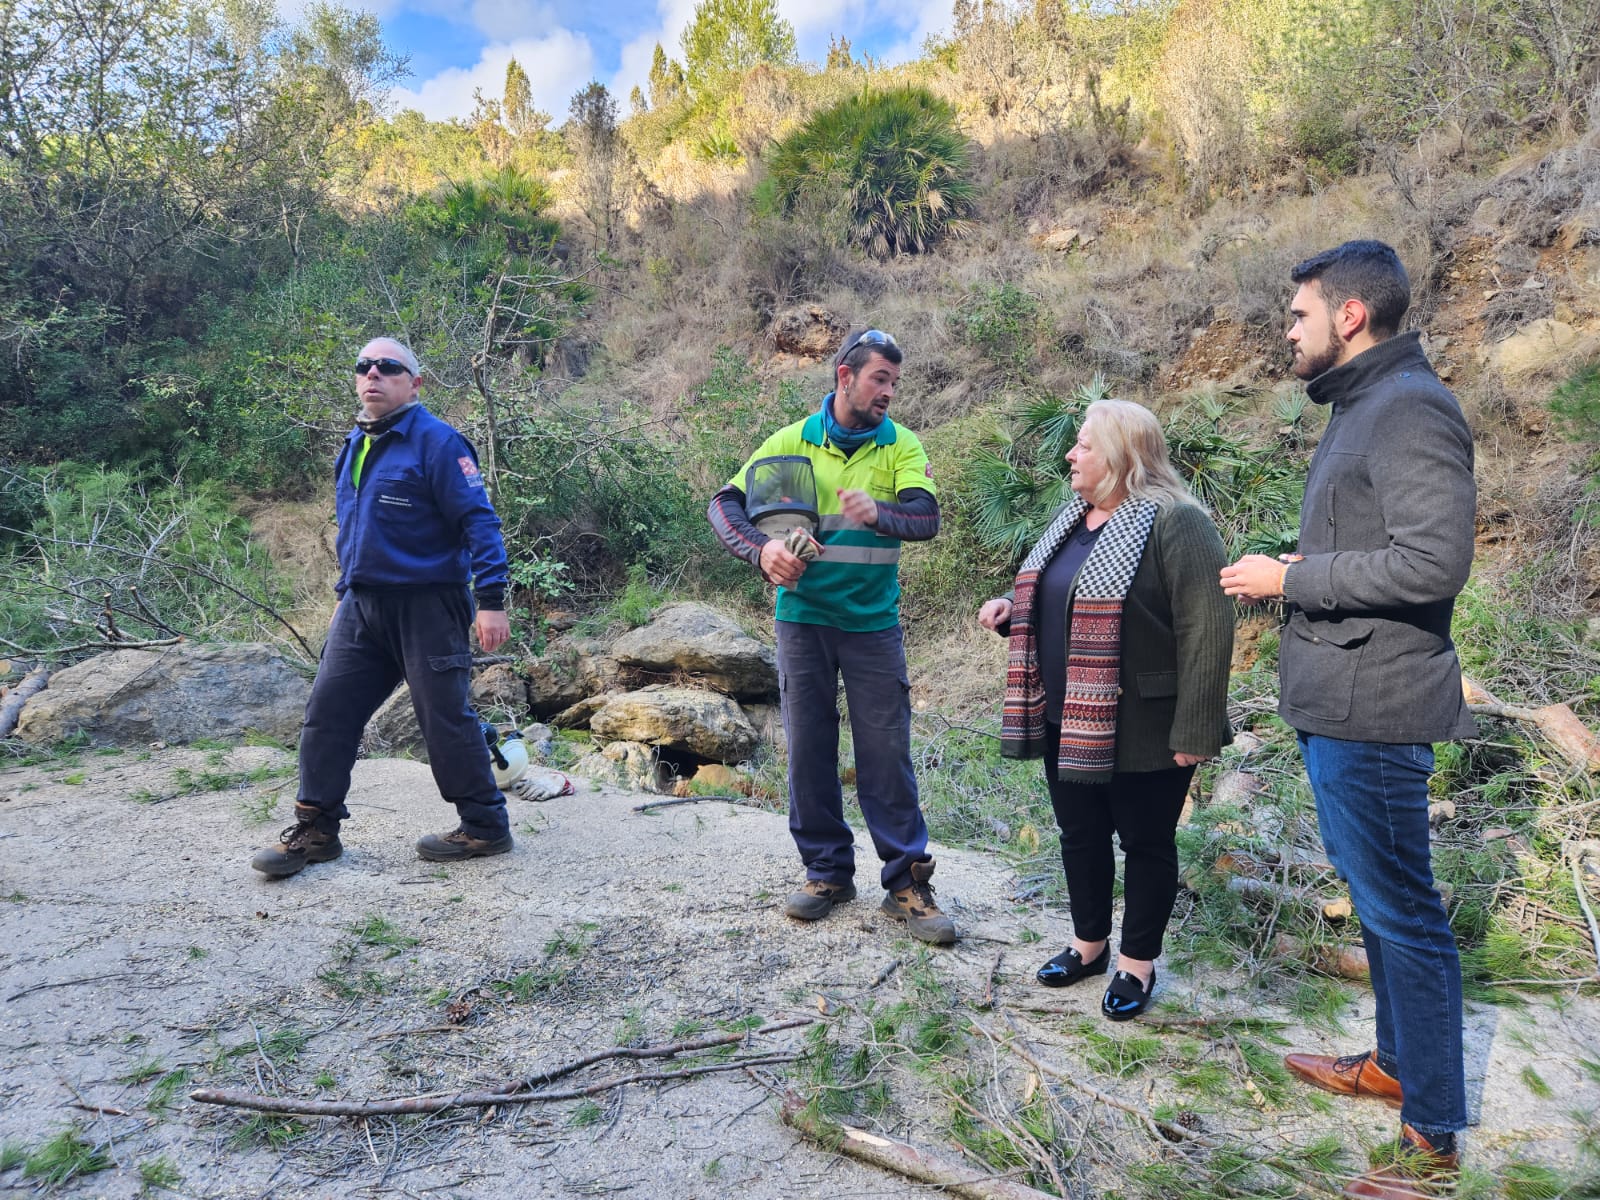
[(1368, 676)]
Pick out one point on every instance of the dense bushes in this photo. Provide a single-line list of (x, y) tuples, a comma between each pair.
[(888, 170)]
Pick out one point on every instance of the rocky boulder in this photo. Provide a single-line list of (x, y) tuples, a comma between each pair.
[(393, 731), (808, 331), (626, 765), (704, 723), (178, 694), (698, 641), (570, 670)]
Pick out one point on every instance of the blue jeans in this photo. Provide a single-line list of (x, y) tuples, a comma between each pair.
[(811, 659), (1372, 805)]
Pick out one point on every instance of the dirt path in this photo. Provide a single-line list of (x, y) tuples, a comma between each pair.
[(142, 958)]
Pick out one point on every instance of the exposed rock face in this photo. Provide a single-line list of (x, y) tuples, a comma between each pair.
[(500, 687), (393, 731), (627, 765), (177, 694), (571, 669), (767, 721), (698, 641), (808, 331), (1541, 345), (704, 723)]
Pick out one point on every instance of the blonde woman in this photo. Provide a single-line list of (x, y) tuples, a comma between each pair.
[(1118, 678)]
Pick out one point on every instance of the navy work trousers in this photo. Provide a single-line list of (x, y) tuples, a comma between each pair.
[(811, 659), (378, 638)]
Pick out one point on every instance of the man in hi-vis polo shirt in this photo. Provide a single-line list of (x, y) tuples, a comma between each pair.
[(838, 614)]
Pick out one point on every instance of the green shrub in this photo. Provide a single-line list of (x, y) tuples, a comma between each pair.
[(1577, 403), (108, 555), (889, 169), (1004, 322)]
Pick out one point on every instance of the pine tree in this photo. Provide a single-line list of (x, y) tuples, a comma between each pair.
[(666, 79), (521, 117), (728, 36)]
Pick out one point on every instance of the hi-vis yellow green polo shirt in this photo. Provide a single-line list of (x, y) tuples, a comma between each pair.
[(855, 585)]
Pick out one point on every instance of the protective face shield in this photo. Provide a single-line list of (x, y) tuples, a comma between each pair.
[(508, 756), (781, 495)]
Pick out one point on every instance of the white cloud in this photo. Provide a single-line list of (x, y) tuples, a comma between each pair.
[(509, 20), (558, 65), (672, 18)]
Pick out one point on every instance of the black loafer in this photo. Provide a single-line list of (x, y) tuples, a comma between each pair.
[(1126, 997), (1069, 967)]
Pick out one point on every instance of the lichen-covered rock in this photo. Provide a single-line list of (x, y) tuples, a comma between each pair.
[(570, 670), (176, 694), (697, 641), (626, 765), (704, 723), (809, 331)]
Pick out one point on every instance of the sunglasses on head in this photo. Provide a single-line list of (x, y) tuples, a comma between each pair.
[(867, 337), (386, 366)]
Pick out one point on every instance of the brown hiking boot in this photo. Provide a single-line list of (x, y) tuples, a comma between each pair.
[(916, 906), (1424, 1167), (817, 898), (458, 844), (298, 845)]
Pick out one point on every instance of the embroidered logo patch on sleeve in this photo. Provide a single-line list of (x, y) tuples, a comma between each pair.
[(468, 467), (927, 469)]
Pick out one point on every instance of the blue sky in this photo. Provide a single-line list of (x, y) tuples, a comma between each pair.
[(456, 46)]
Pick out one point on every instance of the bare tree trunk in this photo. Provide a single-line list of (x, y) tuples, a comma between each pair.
[(11, 710)]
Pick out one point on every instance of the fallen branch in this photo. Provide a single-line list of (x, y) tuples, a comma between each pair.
[(1559, 725), (434, 1104), (11, 711), (61, 983), (518, 1091), (1583, 903), (1346, 962), (924, 1166), (1169, 1130), (744, 800), (987, 1000)]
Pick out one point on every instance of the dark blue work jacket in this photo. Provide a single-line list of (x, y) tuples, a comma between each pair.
[(421, 515)]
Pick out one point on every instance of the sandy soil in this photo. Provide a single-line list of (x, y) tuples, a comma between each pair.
[(137, 943)]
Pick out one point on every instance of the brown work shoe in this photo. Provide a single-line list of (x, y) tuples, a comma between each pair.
[(298, 845), (1348, 1075), (817, 899), (1419, 1171), (458, 844), (916, 906)]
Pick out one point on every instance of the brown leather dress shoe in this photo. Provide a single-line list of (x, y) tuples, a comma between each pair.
[(1348, 1075), (1419, 1172)]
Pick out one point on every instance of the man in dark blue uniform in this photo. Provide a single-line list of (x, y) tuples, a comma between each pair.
[(419, 541)]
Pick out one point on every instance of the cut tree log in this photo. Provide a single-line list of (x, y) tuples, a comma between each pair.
[(1558, 724), (1347, 962), (11, 709), (951, 1177)]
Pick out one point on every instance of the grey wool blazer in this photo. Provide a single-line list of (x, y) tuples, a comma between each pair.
[(1387, 534)]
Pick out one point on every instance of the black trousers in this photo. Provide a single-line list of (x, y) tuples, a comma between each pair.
[(1142, 809), (378, 638)]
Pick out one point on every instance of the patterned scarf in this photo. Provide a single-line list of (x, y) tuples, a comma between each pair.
[(1094, 644)]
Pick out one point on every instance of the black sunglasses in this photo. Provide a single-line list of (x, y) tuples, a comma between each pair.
[(386, 366), (867, 337)]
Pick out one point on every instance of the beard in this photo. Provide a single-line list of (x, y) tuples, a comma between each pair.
[(1307, 365)]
